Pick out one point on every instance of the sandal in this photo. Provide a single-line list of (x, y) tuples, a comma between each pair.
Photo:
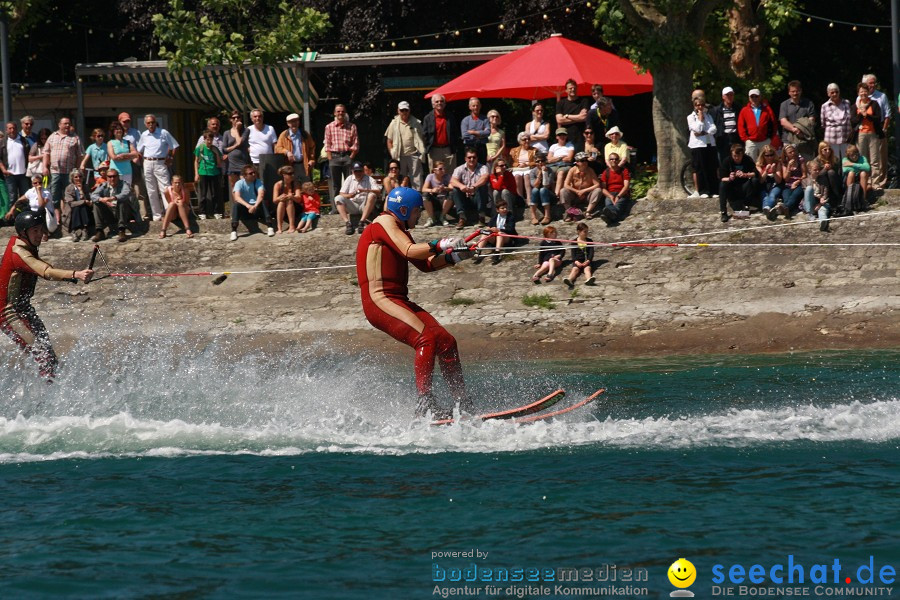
[(189, 233), (549, 278), (162, 234), (534, 221), (535, 279)]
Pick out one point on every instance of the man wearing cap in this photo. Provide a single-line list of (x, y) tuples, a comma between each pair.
[(406, 144), (299, 147), (797, 116), (358, 195), (756, 125), (725, 118), (441, 131), (572, 114), (341, 147), (157, 147)]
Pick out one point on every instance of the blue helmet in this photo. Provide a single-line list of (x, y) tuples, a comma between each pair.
[(402, 200)]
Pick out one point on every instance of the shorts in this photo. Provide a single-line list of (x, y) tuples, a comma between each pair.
[(310, 216), (353, 205)]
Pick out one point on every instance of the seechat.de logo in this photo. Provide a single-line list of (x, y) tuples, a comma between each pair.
[(682, 574)]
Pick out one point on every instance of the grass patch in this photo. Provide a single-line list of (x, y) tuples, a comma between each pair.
[(538, 301), (460, 301)]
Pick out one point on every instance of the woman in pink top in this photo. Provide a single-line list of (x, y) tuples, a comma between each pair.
[(179, 201)]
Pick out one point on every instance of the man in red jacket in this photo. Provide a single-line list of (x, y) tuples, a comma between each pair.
[(756, 125)]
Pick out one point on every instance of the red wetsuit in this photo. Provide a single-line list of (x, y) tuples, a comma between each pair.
[(19, 270), (382, 268)]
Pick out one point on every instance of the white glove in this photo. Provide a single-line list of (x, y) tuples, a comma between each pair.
[(449, 243)]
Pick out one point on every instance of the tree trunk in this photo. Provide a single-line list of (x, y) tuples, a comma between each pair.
[(671, 106), (746, 40)]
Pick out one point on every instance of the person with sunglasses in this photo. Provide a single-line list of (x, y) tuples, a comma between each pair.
[(114, 202)]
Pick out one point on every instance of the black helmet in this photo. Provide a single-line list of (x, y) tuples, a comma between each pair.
[(27, 219)]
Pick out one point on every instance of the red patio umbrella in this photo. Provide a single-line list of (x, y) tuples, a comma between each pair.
[(541, 70)]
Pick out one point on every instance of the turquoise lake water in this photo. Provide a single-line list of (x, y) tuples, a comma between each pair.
[(177, 473)]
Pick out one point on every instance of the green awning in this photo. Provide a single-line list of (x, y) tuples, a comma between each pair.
[(272, 88)]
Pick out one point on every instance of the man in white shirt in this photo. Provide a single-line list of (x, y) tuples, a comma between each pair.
[(262, 137), (16, 162), (157, 146), (358, 195)]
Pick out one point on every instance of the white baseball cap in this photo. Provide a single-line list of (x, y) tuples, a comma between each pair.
[(754, 92), (403, 105), (727, 90)]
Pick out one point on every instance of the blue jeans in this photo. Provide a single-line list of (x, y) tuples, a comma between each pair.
[(479, 201), (770, 198), (810, 201), (58, 183), (792, 197), (542, 196), (620, 208)]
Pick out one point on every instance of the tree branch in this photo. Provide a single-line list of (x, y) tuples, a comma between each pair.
[(700, 12), (639, 19)]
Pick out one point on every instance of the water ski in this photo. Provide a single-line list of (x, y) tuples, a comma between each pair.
[(520, 411)]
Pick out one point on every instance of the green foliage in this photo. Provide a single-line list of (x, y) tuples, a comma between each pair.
[(460, 301), (642, 180), (538, 301), (211, 35), (14, 9)]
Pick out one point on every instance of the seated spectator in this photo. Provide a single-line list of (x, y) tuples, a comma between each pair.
[(617, 145), (392, 179), (114, 202), (247, 199), (594, 153), (503, 184), (704, 158), (76, 206), (856, 170), (581, 188), (179, 203), (815, 200), (550, 257), (582, 257), (312, 207), (100, 175), (36, 199), (615, 185), (496, 139), (793, 172), (830, 173), (543, 182), (503, 221), (738, 178), (561, 157), (286, 194), (522, 160), (770, 179), (436, 192), (469, 188), (358, 196)]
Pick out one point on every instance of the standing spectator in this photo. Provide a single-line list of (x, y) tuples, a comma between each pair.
[(261, 138), (835, 118), (581, 188), (96, 153), (27, 123), (572, 113), (469, 185), (76, 207), (120, 152), (538, 130), (496, 140), (341, 148), (247, 198), (440, 129), (770, 179), (603, 118), (704, 158), (725, 117), (475, 130), (36, 154), (179, 205), (879, 175), (113, 202), (405, 143), (358, 195), (798, 120), (436, 192), (17, 148), (867, 120), (208, 163), (138, 185), (522, 161), (756, 125), (615, 185), (157, 147), (616, 145), (62, 153), (299, 147), (214, 126), (738, 178), (237, 148), (543, 184)]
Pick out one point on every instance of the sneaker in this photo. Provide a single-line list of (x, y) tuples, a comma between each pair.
[(771, 213), (201, 216), (99, 236), (823, 226), (608, 215), (810, 217), (590, 280), (429, 222), (157, 217), (696, 194), (217, 216), (348, 228), (122, 237), (446, 222), (715, 195), (233, 237), (461, 224), (704, 195), (569, 283), (725, 218), (742, 214), (270, 232), (495, 260), (362, 225), (782, 209)]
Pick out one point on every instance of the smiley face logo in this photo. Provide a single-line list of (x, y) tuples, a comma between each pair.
[(682, 573)]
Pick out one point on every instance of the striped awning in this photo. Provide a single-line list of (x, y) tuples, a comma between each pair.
[(273, 88)]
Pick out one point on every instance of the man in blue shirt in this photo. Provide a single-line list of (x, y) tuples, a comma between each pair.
[(475, 130), (247, 198)]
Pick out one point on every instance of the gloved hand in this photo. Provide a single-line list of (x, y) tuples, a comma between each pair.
[(443, 244), (461, 251)]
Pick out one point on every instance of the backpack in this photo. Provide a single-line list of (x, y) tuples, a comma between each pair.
[(853, 200)]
